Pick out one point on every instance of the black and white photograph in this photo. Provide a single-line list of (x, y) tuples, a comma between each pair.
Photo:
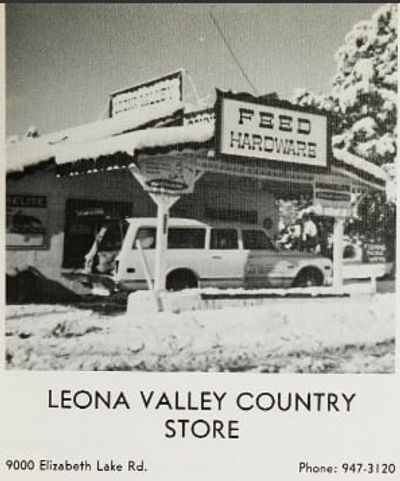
[(203, 188)]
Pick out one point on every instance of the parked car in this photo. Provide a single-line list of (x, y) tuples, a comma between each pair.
[(218, 254)]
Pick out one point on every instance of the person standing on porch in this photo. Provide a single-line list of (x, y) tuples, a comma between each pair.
[(310, 233)]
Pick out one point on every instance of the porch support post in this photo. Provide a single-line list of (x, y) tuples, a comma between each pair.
[(164, 203), (338, 252)]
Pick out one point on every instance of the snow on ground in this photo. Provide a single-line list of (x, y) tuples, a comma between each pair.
[(353, 334)]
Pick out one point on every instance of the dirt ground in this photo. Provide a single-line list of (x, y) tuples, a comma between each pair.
[(347, 335)]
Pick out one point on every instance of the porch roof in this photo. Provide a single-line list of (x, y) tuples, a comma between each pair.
[(106, 145)]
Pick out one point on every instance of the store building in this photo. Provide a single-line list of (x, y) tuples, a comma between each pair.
[(241, 156)]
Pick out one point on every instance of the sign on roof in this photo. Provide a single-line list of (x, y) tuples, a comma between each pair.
[(272, 132), (163, 91), (205, 116)]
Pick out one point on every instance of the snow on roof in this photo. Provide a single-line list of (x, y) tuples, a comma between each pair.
[(135, 141), (107, 137), (34, 150), (360, 164)]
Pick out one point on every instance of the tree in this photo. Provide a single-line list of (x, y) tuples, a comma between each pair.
[(363, 97), (365, 88), (363, 101)]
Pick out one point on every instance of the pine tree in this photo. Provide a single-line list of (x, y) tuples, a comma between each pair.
[(365, 88), (363, 101), (363, 97)]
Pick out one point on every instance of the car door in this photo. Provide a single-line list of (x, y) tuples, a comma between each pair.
[(226, 261), (261, 259), (186, 249)]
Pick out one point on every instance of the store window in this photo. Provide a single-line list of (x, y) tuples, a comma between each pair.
[(232, 215)]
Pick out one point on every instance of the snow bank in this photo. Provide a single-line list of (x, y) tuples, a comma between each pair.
[(297, 335)]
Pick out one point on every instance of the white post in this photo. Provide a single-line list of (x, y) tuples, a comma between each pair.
[(148, 276), (165, 199), (161, 246), (338, 252), (373, 283), (164, 203)]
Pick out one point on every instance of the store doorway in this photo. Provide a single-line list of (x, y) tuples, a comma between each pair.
[(83, 221)]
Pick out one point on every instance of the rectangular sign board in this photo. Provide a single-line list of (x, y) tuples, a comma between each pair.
[(164, 90), (332, 196), (376, 253), (205, 116), (26, 221), (272, 133)]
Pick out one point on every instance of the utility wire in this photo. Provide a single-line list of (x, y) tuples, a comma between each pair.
[(196, 93), (232, 52), (104, 112)]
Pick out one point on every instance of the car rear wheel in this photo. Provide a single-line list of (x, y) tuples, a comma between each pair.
[(309, 278), (181, 279)]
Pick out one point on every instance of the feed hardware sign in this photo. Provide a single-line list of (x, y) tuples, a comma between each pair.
[(252, 129)]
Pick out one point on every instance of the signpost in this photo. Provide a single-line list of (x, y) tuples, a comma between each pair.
[(332, 198), (172, 174), (165, 179)]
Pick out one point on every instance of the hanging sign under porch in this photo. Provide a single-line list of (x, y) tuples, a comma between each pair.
[(176, 175), (165, 178), (332, 196)]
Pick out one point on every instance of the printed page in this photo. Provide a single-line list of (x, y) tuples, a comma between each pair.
[(199, 252)]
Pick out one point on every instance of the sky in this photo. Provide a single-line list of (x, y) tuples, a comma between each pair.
[(64, 60)]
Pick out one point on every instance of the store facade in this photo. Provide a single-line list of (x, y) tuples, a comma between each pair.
[(73, 209), (243, 156)]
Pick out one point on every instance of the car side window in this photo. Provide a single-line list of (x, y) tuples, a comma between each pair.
[(147, 237), (224, 239), (186, 238), (255, 239)]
